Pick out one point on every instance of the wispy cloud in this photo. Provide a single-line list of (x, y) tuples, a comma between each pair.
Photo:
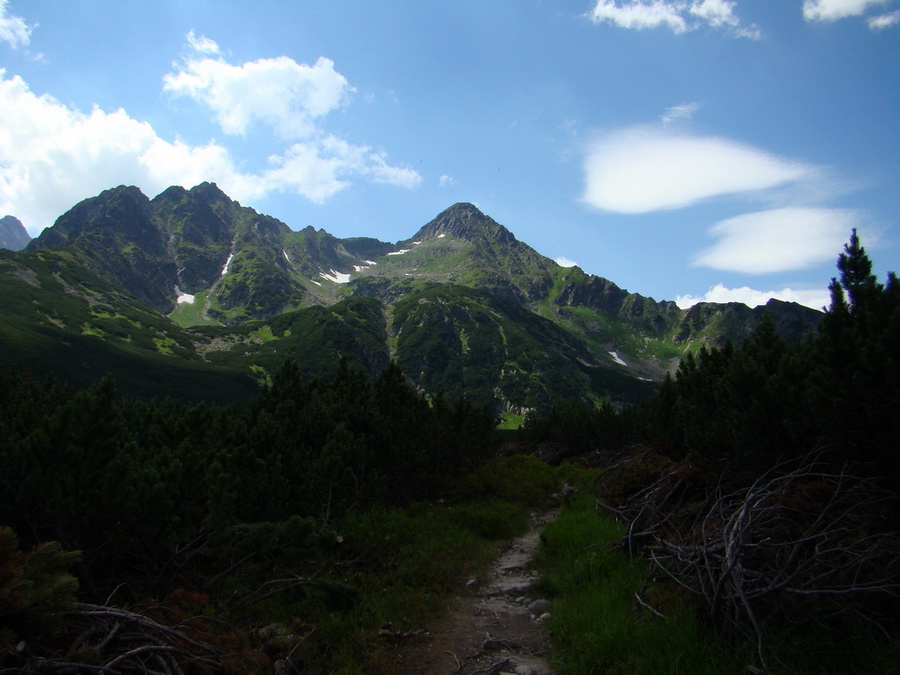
[(778, 240), (201, 44), (815, 298), (884, 20), (833, 10), (446, 180), (644, 169), (679, 16), (565, 262), (679, 112), (13, 29)]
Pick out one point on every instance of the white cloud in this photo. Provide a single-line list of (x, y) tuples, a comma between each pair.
[(816, 298), (320, 169), (565, 262), (678, 16), (53, 156), (290, 98), (642, 169), (446, 180), (884, 20), (639, 15), (720, 14), (832, 10), (13, 29), (278, 92), (778, 240)]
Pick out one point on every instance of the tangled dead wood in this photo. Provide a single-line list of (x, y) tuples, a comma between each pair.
[(800, 545), (113, 640)]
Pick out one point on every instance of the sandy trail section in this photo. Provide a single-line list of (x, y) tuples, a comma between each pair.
[(493, 625)]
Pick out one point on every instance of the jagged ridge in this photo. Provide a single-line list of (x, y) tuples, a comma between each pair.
[(463, 305)]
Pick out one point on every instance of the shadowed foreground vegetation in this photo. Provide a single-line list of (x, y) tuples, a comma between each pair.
[(758, 493), (745, 518)]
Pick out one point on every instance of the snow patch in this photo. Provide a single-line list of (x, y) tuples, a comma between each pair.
[(227, 263), (400, 252), (360, 268), (315, 282), (416, 243), (183, 298), (336, 277), (370, 262), (287, 257), (616, 358), (441, 235)]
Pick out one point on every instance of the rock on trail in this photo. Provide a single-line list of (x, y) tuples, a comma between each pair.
[(495, 625)]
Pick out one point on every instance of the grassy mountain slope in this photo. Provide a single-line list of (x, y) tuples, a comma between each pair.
[(463, 306), (61, 318)]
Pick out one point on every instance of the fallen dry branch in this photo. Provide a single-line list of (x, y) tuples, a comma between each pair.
[(114, 640), (799, 545)]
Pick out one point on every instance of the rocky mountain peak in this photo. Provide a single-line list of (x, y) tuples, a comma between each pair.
[(118, 233), (114, 213), (464, 307), (13, 235), (209, 191), (465, 221)]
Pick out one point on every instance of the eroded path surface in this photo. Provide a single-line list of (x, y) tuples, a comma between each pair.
[(494, 625)]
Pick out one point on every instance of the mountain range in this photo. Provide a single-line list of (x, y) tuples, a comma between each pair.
[(192, 294)]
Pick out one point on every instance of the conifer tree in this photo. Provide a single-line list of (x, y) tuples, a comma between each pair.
[(856, 276)]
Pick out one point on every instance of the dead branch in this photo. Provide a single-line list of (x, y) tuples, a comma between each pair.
[(800, 544), (270, 588)]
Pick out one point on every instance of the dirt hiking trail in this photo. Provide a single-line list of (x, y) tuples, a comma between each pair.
[(494, 625)]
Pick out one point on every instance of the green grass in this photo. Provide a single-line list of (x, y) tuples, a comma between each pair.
[(264, 334), (598, 627), (520, 479), (191, 314), (90, 329), (394, 568), (596, 624), (510, 420)]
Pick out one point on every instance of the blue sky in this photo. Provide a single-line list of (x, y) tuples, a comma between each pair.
[(684, 149)]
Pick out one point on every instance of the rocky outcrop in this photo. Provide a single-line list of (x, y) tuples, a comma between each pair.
[(13, 235)]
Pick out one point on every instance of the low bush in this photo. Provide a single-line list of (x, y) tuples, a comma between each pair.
[(35, 586), (521, 479)]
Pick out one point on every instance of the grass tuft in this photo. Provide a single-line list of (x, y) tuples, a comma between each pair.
[(596, 624)]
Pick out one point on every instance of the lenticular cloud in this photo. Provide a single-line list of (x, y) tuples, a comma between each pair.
[(778, 240), (640, 170)]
